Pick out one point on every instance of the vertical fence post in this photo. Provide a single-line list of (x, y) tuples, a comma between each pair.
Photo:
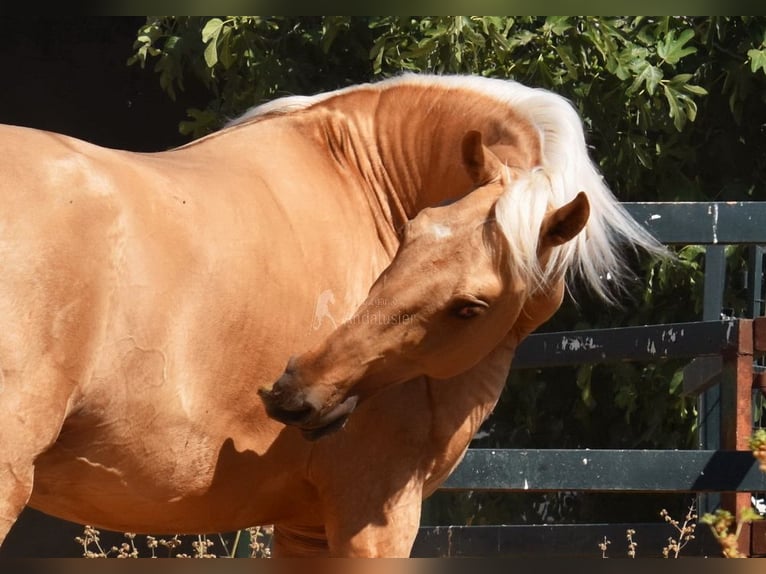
[(709, 403), (736, 414)]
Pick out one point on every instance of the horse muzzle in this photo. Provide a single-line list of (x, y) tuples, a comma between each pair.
[(292, 406)]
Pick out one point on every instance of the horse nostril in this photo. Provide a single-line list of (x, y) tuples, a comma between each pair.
[(280, 390), (286, 404)]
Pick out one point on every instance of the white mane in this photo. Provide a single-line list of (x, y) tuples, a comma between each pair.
[(594, 254)]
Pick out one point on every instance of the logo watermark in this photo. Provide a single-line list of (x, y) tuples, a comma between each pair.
[(322, 310), (377, 311), (381, 311)]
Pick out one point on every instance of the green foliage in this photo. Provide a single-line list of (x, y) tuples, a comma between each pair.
[(674, 109), (244, 60), (721, 523)]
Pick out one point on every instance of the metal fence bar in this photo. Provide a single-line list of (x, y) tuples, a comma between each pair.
[(607, 471), (703, 223), (647, 342), (711, 416)]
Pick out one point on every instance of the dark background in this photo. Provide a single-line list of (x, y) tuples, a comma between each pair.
[(70, 75)]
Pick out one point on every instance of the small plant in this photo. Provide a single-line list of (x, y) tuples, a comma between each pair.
[(685, 532), (603, 546), (172, 545), (91, 536), (128, 549), (632, 544), (757, 444), (201, 546), (675, 544), (259, 547), (92, 548), (721, 523), (91, 545)]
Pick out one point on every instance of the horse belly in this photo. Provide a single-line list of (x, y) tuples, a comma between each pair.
[(199, 484), (97, 469)]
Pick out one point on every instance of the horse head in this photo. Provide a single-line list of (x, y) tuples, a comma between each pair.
[(466, 277)]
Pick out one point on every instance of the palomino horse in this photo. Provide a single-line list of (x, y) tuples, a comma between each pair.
[(397, 239)]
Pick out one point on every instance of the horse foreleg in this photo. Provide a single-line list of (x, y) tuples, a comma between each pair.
[(16, 488), (32, 417), (369, 528)]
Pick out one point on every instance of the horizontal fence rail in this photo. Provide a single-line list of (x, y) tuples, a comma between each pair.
[(647, 342), (607, 470), (702, 223)]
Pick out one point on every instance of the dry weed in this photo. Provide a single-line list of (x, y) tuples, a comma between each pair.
[(201, 547)]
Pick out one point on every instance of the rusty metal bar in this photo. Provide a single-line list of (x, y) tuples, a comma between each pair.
[(736, 414)]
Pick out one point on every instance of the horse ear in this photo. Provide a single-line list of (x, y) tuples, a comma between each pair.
[(562, 224), (480, 163)]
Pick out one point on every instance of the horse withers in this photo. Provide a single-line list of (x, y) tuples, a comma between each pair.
[(390, 243)]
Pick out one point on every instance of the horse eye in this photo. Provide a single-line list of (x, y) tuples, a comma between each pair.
[(469, 309)]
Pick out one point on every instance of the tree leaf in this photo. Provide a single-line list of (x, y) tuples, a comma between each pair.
[(212, 29), (676, 112), (210, 35), (757, 60), (211, 54), (672, 49), (225, 54), (650, 77), (676, 381), (557, 25), (696, 90)]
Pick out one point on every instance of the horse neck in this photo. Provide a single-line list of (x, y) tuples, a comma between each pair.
[(461, 404), (405, 142)]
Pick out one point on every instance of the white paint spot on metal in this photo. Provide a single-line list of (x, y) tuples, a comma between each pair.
[(713, 210), (526, 484), (578, 343), (585, 461), (655, 217), (440, 231), (670, 335)]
